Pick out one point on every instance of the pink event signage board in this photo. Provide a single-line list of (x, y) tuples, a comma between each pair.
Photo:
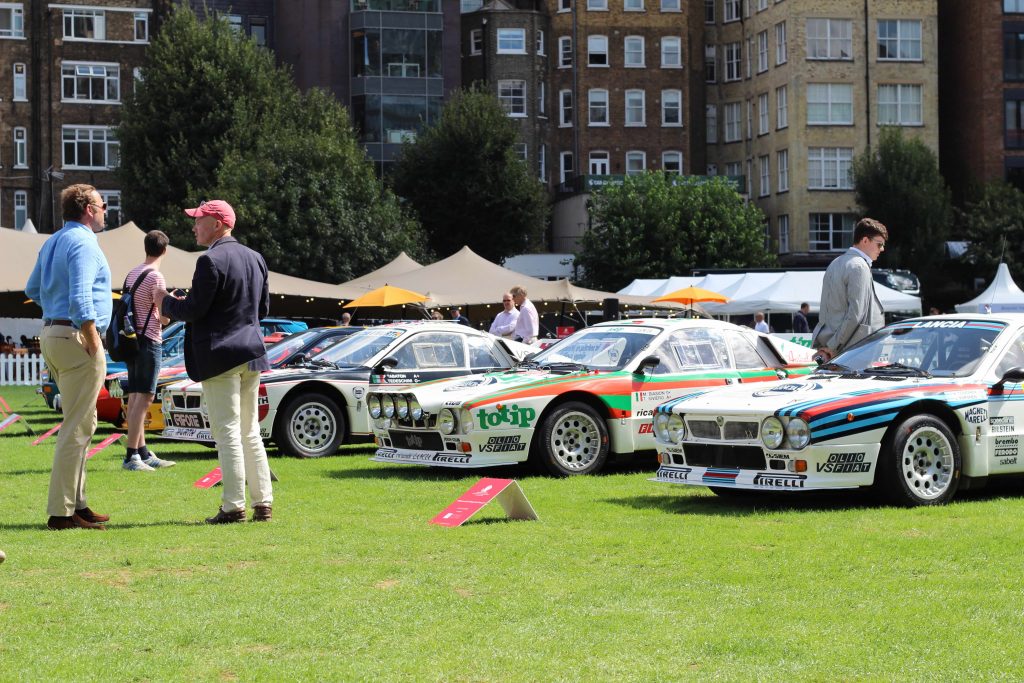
[(506, 491)]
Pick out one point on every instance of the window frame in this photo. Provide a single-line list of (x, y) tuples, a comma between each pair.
[(476, 42), (626, 52), (592, 52), (678, 94), (564, 51), (510, 35), (630, 109), (111, 146), (19, 82), (636, 154), (107, 79), (733, 62), (511, 99), (782, 107), (594, 104), (733, 126), (763, 118), (835, 164), (762, 51), (899, 106), (781, 48), (664, 163), (782, 169), (99, 26), (17, 21), (20, 137), (831, 39), (899, 40), (832, 105), (678, 41), (565, 110), (20, 206)]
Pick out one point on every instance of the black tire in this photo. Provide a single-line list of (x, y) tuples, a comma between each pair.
[(572, 439), (919, 463), (310, 426)]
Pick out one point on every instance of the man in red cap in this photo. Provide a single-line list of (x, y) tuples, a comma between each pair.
[(224, 350)]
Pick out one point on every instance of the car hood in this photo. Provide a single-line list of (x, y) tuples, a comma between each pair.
[(498, 386), (294, 374)]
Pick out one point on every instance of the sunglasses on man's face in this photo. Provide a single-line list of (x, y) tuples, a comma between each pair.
[(102, 206)]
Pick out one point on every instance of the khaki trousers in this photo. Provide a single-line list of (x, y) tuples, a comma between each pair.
[(231, 401), (79, 377)]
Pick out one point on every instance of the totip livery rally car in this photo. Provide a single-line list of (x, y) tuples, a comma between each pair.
[(577, 401), (309, 409), (917, 409)]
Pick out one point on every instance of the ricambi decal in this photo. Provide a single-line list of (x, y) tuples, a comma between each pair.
[(844, 463), (976, 415), (510, 415), (788, 389)]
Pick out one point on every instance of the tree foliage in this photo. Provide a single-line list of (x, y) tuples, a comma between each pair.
[(213, 117), (898, 183), (993, 222), (656, 225), (464, 180)]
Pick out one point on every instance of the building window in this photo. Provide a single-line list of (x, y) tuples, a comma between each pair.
[(829, 104), (1013, 6), (1015, 124), (564, 5), (511, 41), (512, 95), (633, 5), (672, 163), (597, 101), (565, 167), (12, 21), (709, 11), (732, 122), (899, 40), (762, 114), (20, 208), (543, 163), (141, 23), (669, 5), (750, 119), (750, 52), (829, 39), (733, 169), (521, 151), (476, 41), (565, 108), (636, 114), (90, 82), (766, 227), (20, 148), (671, 52), (762, 5), (732, 62), (671, 107), (899, 105), (235, 23), (781, 107), (20, 83), (564, 52), (783, 222), (828, 168), (711, 169), (85, 24), (597, 5), (710, 64), (597, 50), (732, 10), (540, 43), (633, 47), (782, 159), (781, 51), (636, 163), (1013, 56), (599, 164), (541, 97), (711, 121), (830, 231), (762, 51), (258, 30), (90, 147), (764, 167), (113, 200)]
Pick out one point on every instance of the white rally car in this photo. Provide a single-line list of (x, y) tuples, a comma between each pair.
[(576, 402), (918, 409), (310, 408)]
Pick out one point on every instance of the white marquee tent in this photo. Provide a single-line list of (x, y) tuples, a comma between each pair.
[(1002, 295)]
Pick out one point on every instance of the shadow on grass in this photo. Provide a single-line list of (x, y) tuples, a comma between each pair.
[(45, 470), (418, 473), (112, 525)]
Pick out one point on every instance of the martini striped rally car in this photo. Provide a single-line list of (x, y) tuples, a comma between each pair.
[(918, 410), (575, 403)]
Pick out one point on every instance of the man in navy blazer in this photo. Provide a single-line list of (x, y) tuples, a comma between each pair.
[(224, 350)]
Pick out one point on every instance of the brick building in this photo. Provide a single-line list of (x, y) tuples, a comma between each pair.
[(66, 67)]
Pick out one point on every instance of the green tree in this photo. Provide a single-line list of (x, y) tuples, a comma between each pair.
[(656, 225), (898, 183), (464, 180), (214, 117), (993, 222)]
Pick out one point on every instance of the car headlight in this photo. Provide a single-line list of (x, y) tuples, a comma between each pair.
[(466, 421), (661, 426), (402, 407), (446, 421), (415, 409), (676, 428), (798, 433), (388, 405), (373, 405), (772, 432)]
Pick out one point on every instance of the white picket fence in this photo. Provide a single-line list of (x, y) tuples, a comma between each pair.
[(27, 370)]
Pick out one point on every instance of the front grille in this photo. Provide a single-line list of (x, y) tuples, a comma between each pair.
[(741, 431), (715, 455), (186, 400), (419, 441), (704, 429)]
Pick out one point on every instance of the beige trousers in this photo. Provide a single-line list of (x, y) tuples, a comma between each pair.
[(231, 401), (79, 377)]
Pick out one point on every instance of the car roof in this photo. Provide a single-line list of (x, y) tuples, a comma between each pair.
[(1008, 318), (670, 323)]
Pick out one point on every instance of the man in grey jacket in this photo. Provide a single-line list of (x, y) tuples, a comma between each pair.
[(850, 309)]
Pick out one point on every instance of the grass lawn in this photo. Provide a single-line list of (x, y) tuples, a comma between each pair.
[(622, 579)]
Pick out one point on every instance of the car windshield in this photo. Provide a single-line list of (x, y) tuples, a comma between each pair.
[(937, 348), (359, 348), (279, 352), (599, 348)]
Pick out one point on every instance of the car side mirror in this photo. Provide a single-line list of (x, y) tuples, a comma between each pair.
[(385, 365), (1013, 376), (530, 356), (300, 359), (646, 365)]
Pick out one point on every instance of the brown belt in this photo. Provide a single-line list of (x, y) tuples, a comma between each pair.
[(62, 323)]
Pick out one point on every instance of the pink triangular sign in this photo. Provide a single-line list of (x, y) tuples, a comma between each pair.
[(506, 491), (53, 430), (209, 480), (103, 444)]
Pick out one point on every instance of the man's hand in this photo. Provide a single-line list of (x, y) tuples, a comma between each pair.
[(824, 355), (91, 338)]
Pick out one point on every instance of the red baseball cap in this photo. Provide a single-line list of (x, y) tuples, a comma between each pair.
[(218, 208)]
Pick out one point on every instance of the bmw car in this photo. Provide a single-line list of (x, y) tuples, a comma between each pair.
[(575, 403), (918, 410)]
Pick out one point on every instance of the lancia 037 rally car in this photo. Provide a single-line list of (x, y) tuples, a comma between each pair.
[(918, 409), (577, 401)]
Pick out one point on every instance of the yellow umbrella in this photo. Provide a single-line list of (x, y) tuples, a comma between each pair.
[(692, 295), (386, 296)]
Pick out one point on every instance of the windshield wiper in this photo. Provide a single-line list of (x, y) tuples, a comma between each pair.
[(321, 363), (566, 367), (525, 365), (832, 366), (899, 369)]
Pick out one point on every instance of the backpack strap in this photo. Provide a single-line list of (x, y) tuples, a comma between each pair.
[(131, 293)]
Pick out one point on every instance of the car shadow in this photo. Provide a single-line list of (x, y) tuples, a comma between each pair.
[(111, 526), (418, 473)]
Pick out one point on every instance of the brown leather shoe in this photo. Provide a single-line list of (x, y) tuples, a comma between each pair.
[(261, 513), (72, 522), (90, 516), (226, 517)]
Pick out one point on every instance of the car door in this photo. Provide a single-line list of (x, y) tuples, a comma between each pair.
[(1005, 414), (752, 363), (426, 356), (485, 355)]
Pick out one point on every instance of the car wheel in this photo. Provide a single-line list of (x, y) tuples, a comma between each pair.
[(573, 440), (310, 426), (920, 463)]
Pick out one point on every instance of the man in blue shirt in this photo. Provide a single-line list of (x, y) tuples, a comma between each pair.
[(71, 282)]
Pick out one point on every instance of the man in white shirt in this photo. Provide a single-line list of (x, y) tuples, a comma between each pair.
[(505, 322), (759, 324), (528, 325)]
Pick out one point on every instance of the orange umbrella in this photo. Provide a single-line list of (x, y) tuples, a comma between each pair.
[(692, 295), (386, 296)]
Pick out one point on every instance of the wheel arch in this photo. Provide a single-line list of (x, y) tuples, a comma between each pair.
[(320, 387), (938, 409), (591, 400)]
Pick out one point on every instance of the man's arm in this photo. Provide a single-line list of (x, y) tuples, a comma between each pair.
[(33, 289), (533, 320), (507, 328), (82, 272), (199, 299), (91, 337), (265, 294)]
